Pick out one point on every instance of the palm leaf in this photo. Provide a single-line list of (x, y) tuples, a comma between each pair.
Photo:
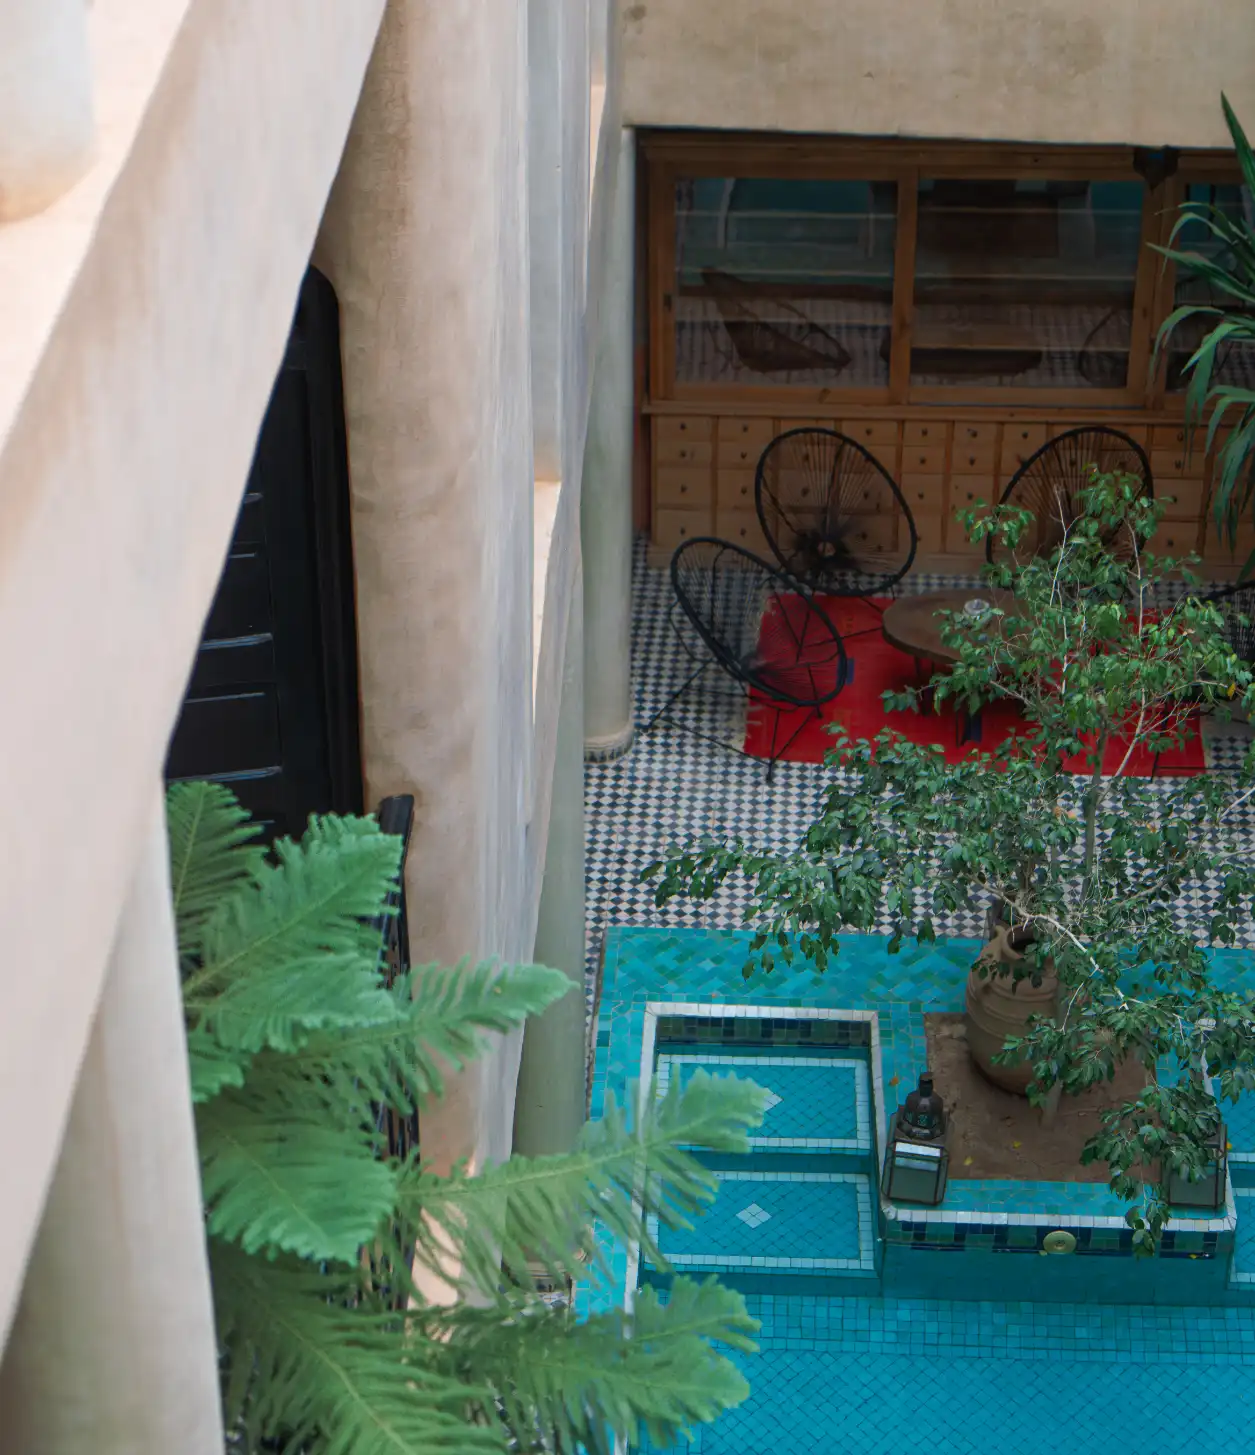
[(211, 854), (283, 1178), (296, 951), (1246, 159), (313, 1372), (437, 1015), (617, 1372), (541, 1210), (211, 1068)]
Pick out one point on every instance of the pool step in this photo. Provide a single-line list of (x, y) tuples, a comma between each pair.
[(808, 1224)]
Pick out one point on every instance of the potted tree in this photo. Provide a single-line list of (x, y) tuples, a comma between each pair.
[(1095, 879)]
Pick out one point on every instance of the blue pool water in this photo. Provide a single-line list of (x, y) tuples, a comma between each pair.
[(983, 1347)]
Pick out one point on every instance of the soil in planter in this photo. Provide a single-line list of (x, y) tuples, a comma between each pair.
[(994, 1134)]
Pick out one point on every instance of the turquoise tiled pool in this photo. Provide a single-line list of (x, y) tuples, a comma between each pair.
[(967, 1338)]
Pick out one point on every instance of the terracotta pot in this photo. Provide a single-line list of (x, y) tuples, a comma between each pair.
[(999, 1007)]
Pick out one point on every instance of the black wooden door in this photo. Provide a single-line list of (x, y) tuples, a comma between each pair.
[(272, 705)]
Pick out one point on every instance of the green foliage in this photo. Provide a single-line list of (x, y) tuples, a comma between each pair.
[(1226, 266), (1094, 869), (296, 1044)]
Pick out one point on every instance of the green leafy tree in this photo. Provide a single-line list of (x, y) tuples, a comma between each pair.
[(319, 1237), (1221, 265), (1091, 870)]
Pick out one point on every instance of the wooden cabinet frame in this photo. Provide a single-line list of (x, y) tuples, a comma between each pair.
[(672, 156)]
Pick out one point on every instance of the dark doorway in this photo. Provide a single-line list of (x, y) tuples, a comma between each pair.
[(272, 705)]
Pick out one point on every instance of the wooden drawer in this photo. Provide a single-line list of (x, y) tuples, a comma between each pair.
[(1168, 437), (872, 496), (1175, 538), (924, 432), (734, 489), (1019, 441), (1187, 498), (1216, 548), (924, 493), (924, 460), (756, 433), (743, 453), (671, 527), (1176, 465), (872, 532), (975, 435), (931, 532), (872, 431), (694, 427), (687, 486), (980, 459), (683, 452), (744, 529), (969, 491)]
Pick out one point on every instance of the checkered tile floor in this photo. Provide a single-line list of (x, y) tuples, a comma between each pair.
[(673, 786)]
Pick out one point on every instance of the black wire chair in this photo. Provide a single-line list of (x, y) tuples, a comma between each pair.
[(761, 628), (833, 515), (1049, 484)]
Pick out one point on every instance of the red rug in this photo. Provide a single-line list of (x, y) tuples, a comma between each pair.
[(875, 667)]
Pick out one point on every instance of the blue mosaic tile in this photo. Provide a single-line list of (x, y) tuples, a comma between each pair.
[(1243, 1273), (793, 1222)]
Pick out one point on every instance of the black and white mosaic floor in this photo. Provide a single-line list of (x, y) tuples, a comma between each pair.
[(673, 786)]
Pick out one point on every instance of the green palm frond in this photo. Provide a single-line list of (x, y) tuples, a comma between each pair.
[(211, 1068), (1229, 273), (656, 1368), (541, 1210), (276, 1177), (437, 1015), (212, 852), (316, 1369), (296, 951)]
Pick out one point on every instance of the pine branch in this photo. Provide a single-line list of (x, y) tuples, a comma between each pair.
[(542, 1209), (276, 1177), (211, 854), (325, 1378), (615, 1372), (295, 951)]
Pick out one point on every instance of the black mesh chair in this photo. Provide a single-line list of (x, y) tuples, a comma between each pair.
[(1049, 484), (762, 629), (833, 515)]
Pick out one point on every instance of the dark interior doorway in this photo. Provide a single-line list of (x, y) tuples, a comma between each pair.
[(272, 704)]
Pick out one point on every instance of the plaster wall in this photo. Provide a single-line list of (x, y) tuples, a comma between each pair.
[(1144, 72), (145, 315)]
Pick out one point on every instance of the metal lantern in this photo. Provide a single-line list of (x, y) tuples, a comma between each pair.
[(1209, 1191), (917, 1163)]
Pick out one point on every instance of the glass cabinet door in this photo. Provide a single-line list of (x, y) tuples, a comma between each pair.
[(782, 281), (1025, 283)]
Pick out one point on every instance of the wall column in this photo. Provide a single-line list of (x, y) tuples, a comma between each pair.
[(606, 505), (549, 1110), (112, 1351), (46, 125)]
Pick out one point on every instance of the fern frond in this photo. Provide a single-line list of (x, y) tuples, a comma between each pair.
[(397, 1062), (655, 1368), (542, 1209), (212, 1069), (307, 1369), (295, 950), (212, 852), (281, 1178)]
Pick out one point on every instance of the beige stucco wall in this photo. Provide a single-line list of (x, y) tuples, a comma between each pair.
[(1131, 71), (144, 316)]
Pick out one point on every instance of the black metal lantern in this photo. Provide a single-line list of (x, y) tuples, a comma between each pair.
[(1209, 1191), (917, 1164)]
